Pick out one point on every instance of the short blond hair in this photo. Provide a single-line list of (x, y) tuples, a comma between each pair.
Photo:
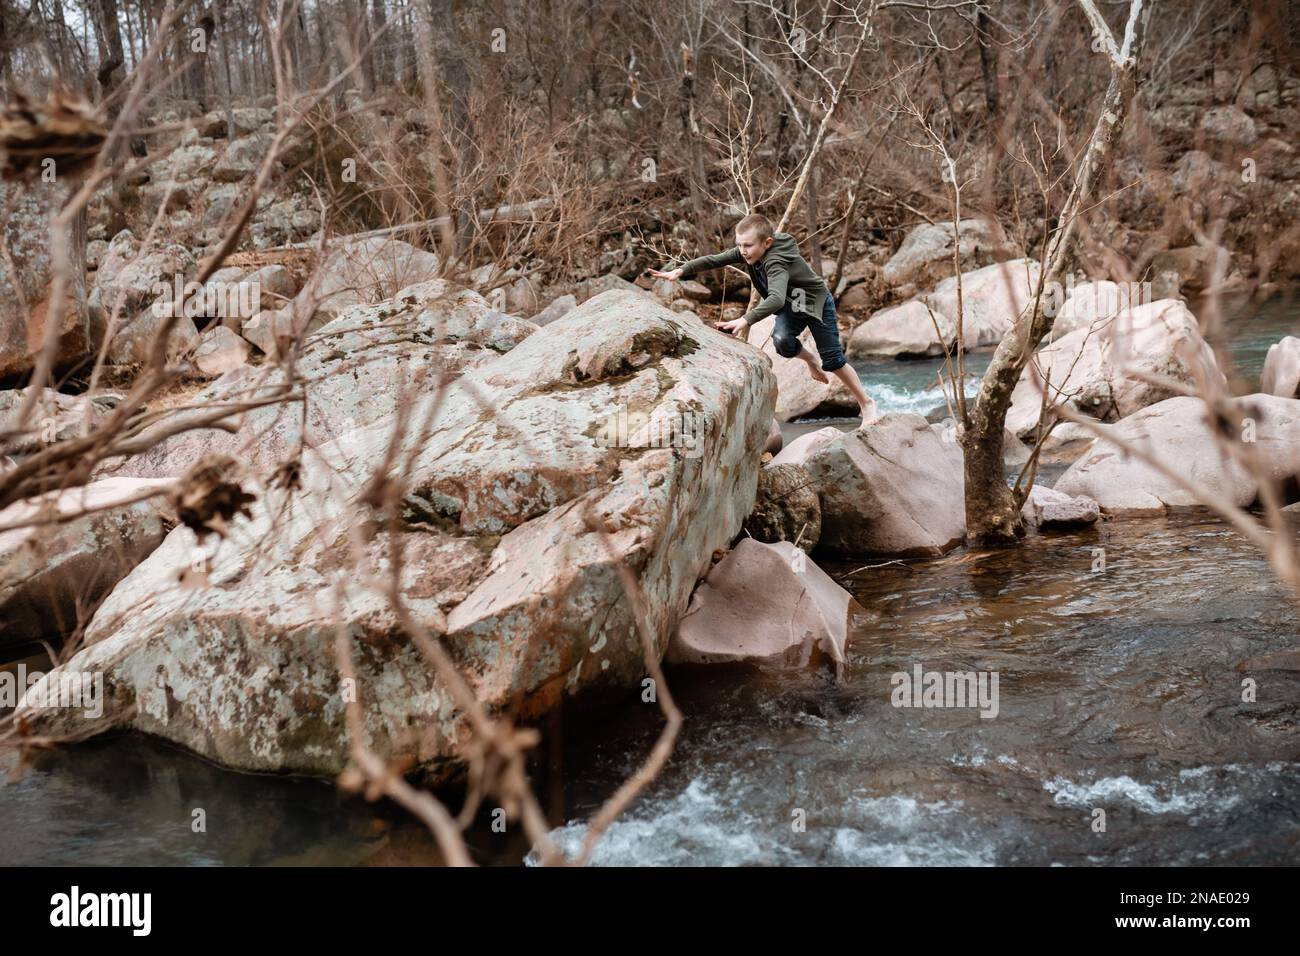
[(755, 223)]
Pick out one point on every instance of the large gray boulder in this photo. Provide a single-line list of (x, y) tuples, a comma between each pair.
[(220, 351), (621, 439), (557, 309), (354, 371), (136, 282), (926, 255), (1177, 433), (250, 120), (992, 299), (787, 507), (1093, 303), (893, 487), (360, 272), (53, 417), (242, 158), (805, 446), (902, 331), (1099, 370), (185, 162), (1228, 127)]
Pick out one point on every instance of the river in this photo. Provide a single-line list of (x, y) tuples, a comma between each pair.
[(1117, 692)]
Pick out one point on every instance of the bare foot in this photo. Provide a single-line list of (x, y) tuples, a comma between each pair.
[(818, 375)]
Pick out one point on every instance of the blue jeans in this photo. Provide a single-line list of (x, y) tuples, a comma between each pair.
[(825, 333)]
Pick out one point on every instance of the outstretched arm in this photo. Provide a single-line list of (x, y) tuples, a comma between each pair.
[(687, 269), (730, 257)]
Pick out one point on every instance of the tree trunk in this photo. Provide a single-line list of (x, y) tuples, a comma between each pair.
[(110, 65), (992, 509), (198, 68), (424, 27), (988, 63), (455, 75), (383, 74), (697, 177), (110, 38), (814, 216), (227, 92), (359, 27)]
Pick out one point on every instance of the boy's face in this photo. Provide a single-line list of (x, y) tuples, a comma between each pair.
[(752, 247)]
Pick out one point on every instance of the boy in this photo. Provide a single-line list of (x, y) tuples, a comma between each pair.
[(791, 291)]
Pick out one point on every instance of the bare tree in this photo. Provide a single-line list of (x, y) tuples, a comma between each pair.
[(992, 511)]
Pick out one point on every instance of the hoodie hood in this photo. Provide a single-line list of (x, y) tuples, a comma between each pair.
[(783, 245)]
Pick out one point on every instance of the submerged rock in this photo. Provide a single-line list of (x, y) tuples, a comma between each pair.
[(765, 601), (1048, 509), (521, 501)]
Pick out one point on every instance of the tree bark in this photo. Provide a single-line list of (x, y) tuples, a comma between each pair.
[(988, 63), (705, 222), (110, 65), (383, 75), (814, 224), (227, 91), (992, 508)]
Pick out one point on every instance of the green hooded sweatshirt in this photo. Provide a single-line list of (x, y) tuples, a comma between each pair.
[(788, 277)]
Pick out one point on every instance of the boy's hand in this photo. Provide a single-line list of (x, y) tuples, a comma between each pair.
[(672, 276), (735, 325)]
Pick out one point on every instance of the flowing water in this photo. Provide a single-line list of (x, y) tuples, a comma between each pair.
[(1121, 735)]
